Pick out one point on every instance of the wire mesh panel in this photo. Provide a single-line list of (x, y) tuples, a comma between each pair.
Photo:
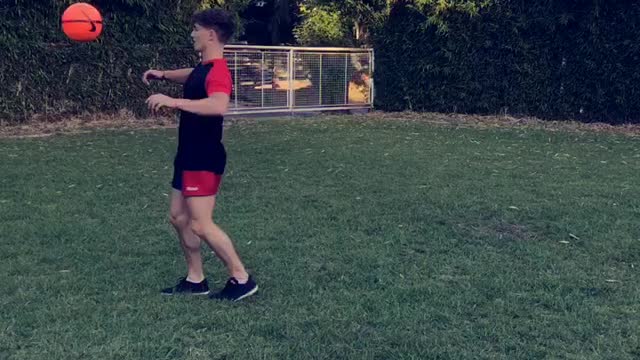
[(278, 78), (245, 68), (359, 75), (275, 79), (334, 76), (306, 80)]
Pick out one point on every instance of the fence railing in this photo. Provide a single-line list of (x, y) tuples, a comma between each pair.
[(269, 79)]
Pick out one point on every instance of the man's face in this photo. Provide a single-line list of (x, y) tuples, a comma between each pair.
[(202, 37)]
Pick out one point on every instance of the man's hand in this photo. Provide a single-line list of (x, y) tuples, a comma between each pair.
[(152, 75), (157, 101)]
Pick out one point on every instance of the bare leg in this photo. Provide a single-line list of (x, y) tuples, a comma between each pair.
[(201, 221), (189, 241)]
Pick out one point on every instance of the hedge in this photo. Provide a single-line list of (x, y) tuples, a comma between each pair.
[(558, 59), (43, 73)]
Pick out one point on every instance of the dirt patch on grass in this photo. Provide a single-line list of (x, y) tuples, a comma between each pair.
[(125, 120), (90, 122), (499, 231), (84, 123), (476, 121)]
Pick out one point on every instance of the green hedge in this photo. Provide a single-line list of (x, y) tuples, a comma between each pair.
[(43, 73), (70, 79), (130, 22), (552, 59), (575, 59)]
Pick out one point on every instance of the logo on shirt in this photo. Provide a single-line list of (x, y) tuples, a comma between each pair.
[(191, 188)]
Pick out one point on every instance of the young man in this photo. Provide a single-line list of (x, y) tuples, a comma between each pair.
[(201, 158)]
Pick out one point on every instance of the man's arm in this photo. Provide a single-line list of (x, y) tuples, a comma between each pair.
[(216, 104), (218, 85), (179, 76)]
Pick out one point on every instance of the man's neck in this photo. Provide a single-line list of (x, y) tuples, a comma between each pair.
[(212, 53)]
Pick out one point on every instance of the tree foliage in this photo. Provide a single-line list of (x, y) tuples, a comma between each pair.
[(322, 27), (549, 58), (553, 59)]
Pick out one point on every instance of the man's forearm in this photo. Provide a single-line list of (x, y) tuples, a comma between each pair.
[(207, 107), (179, 76)]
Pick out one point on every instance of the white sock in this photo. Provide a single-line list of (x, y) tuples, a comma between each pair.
[(194, 282)]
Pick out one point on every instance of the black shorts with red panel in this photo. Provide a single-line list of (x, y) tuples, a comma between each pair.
[(199, 174), (196, 182)]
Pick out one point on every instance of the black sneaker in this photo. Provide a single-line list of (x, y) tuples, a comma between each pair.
[(235, 292), (185, 287)]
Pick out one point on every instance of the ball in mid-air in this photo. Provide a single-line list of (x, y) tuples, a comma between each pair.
[(82, 22)]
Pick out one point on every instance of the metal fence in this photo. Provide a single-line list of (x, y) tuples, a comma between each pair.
[(269, 79)]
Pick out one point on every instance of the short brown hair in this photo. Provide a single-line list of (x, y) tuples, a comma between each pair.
[(217, 20)]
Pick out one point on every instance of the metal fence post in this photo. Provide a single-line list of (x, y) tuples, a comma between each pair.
[(320, 81), (235, 77), (372, 62), (291, 73), (346, 81), (262, 80)]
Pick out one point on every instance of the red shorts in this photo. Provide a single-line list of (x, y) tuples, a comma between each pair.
[(196, 183)]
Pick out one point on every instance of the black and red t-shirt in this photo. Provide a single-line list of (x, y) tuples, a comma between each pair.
[(200, 137)]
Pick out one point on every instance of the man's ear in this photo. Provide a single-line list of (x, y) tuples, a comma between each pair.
[(213, 36)]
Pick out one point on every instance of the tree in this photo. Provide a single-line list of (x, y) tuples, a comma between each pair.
[(322, 26), (235, 7), (269, 22), (357, 15)]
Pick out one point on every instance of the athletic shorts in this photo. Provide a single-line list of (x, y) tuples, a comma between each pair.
[(195, 183)]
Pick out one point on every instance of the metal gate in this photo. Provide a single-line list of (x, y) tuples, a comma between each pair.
[(270, 79)]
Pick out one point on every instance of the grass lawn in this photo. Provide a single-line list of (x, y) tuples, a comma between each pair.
[(369, 239)]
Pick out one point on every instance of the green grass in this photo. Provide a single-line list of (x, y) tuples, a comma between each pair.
[(369, 239)]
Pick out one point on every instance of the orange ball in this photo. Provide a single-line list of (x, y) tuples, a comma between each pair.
[(82, 22)]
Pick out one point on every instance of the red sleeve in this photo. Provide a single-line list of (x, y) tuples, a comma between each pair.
[(218, 80)]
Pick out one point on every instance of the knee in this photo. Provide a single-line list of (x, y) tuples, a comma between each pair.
[(199, 228), (179, 221)]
